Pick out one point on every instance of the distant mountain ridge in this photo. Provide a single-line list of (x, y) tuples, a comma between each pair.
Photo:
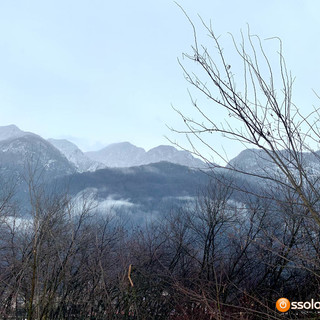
[(124, 174), (75, 155), (143, 182), (117, 155), (12, 132), (25, 152), (125, 154), (258, 162), (17, 145)]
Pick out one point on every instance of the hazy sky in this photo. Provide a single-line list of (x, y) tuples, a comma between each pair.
[(98, 72)]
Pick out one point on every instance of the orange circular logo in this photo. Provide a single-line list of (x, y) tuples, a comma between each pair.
[(283, 305)]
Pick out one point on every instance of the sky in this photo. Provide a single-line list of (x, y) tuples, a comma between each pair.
[(98, 72)]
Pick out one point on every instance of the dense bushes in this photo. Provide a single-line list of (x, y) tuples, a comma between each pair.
[(216, 259)]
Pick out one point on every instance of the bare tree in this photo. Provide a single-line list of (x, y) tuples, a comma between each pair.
[(258, 103)]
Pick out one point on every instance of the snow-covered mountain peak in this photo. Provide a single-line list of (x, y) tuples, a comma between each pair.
[(27, 150), (11, 132), (258, 162), (171, 154), (163, 149), (123, 146), (125, 154), (75, 155), (63, 144)]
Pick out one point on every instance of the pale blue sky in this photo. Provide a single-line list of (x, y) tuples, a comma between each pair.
[(98, 72)]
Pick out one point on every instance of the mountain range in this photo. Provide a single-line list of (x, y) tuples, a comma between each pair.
[(75, 156), (115, 155), (22, 152), (126, 154), (258, 162), (122, 175)]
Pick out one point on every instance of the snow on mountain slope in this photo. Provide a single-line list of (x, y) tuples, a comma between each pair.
[(31, 152), (118, 155), (75, 155), (252, 161), (126, 154), (171, 154), (122, 154), (259, 162), (11, 132)]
